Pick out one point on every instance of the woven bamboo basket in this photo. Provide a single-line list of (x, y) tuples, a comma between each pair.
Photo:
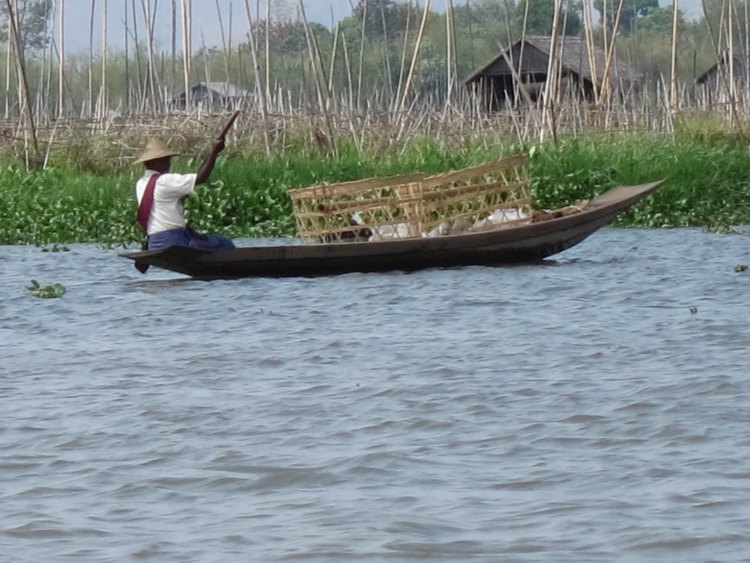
[(490, 196)]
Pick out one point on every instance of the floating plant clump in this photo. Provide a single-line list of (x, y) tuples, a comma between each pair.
[(55, 248), (46, 292)]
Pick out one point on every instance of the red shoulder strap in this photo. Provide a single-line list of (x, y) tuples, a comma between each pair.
[(144, 209)]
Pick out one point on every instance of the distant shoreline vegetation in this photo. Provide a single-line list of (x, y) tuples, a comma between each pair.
[(708, 184), (384, 92), (381, 55)]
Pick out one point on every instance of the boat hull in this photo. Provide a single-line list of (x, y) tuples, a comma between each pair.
[(526, 243)]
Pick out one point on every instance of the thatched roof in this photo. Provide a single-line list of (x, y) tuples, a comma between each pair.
[(213, 93), (573, 55), (740, 60), (224, 89)]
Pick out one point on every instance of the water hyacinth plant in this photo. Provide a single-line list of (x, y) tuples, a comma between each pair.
[(379, 93), (52, 291), (708, 184)]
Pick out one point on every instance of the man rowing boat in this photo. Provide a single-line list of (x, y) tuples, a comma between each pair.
[(160, 194)]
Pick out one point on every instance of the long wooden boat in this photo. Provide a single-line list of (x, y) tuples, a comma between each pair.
[(529, 242)]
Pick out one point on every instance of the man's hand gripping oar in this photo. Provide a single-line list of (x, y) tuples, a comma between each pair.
[(208, 163)]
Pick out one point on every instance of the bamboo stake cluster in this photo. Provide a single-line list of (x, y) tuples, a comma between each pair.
[(333, 109)]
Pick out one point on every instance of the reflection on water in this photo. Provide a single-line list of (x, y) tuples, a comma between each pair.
[(593, 408)]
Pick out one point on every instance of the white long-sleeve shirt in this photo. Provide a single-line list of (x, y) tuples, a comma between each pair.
[(167, 211)]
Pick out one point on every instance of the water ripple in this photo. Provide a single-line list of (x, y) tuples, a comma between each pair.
[(593, 408)]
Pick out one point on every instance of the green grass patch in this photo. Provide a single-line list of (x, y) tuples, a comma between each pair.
[(708, 184)]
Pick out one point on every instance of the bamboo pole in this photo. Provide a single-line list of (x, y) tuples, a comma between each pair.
[(268, 50), (730, 49), (318, 61), (204, 52), (605, 89), (388, 78), (314, 65), (590, 46), (103, 102), (61, 69), (415, 55), (746, 85), (454, 45), (23, 84), (731, 86), (8, 52), (471, 34), (258, 90), (320, 79), (522, 49), (402, 67), (240, 65), (37, 98), (150, 20), (673, 97), (173, 45), (350, 90), (223, 40), (334, 52), (561, 56), (349, 80), (91, 59), (449, 51), (49, 56), (605, 24), (230, 25), (361, 57), (187, 47), (550, 87), (139, 73), (127, 60)]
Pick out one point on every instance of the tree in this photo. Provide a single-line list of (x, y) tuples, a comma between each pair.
[(541, 14), (485, 20), (377, 15), (659, 21), (632, 12), (288, 37), (33, 22), (481, 27)]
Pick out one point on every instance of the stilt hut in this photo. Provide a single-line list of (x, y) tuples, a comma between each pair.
[(212, 95), (732, 69), (518, 74)]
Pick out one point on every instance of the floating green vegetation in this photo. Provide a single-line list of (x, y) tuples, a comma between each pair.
[(708, 184), (47, 291), (55, 248)]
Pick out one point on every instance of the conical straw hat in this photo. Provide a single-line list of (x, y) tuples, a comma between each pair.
[(155, 148)]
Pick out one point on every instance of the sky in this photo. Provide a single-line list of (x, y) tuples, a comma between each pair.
[(206, 22)]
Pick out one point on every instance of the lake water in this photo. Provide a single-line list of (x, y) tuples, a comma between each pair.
[(593, 408)]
